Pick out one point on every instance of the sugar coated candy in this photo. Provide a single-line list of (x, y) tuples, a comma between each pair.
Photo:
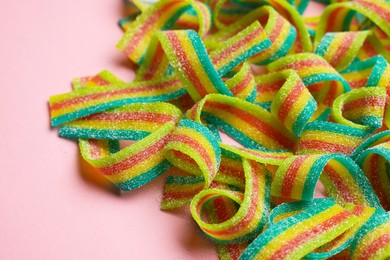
[(274, 126)]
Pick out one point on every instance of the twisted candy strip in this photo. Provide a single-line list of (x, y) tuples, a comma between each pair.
[(231, 171), (199, 76), (337, 17), (199, 73), (268, 85), (242, 84), (192, 142), (161, 15), (293, 105), (262, 125), (218, 210), (322, 80), (246, 43), (372, 72), (302, 42), (315, 137), (342, 242), (297, 176), (320, 70), (155, 64), (340, 49), (281, 34), (229, 187), (282, 28), (226, 57), (296, 236), (247, 123), (98, 148), (249, 219), (360, 108)]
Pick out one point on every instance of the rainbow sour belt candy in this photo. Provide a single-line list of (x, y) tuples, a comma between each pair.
[(274, 127)]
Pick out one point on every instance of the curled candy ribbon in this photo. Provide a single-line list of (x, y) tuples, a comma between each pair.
[(303, 101)]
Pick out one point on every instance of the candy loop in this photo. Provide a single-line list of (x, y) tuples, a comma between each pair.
[(249, 219), (280, 32), (360, 108), (295, 119), (297, 176), (179, 190), (302, 42), (192, 143)]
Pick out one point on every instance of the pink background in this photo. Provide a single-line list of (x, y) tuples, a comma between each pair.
[(49, 209)]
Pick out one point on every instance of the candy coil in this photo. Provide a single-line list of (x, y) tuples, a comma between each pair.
[(251, 108)]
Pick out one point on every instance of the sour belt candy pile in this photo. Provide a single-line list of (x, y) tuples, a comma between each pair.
[(305, 99)]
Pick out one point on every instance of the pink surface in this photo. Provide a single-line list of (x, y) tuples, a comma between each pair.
[(48, 208)]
